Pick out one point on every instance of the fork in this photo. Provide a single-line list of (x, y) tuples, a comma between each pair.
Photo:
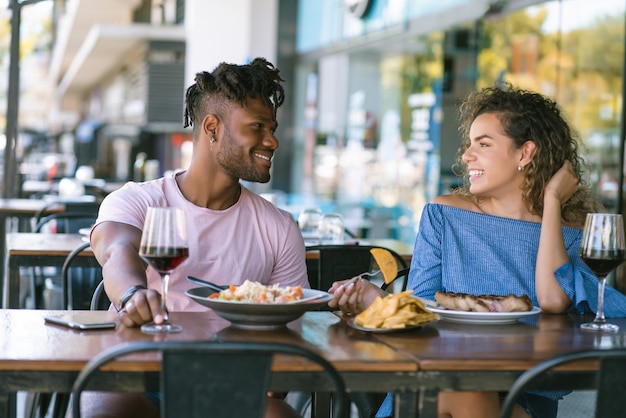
[(366, 274), (360, 276)]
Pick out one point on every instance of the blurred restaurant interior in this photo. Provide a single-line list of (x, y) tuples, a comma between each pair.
[(369, 127)]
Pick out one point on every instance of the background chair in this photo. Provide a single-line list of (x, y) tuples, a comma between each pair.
[(227, 379), (99, 299), (86, 208), (339, 262), (80, 283), (65, 222), (611, 380), (48, 279)]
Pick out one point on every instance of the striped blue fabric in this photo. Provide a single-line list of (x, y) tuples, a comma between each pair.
[(463, 251)]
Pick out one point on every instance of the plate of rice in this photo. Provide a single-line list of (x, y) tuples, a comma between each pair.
[(253, 305)]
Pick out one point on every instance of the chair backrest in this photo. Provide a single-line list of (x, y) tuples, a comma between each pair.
[(225, 378), (611, 380), (339, 262), (86, 208), (66, 222), (79, 283), (99, 298)]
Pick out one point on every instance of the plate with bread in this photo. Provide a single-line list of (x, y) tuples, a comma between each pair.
[(483, 309)]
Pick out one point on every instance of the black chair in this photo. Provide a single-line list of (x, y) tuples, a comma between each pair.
[(79, 283), (339, 262), (62, 222), (86, 208), (65, 222), (610, 382), (99, 299), (223, 379)]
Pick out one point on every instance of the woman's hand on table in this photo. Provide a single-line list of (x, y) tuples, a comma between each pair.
[(352, 296), (143, 307)]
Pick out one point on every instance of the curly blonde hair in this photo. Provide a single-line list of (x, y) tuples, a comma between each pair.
[(528, 116)]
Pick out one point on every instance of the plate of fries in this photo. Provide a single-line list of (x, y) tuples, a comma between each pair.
[(393, 313)]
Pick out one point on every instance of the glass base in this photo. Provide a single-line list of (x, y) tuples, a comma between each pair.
[(160, 328), (599, 327)]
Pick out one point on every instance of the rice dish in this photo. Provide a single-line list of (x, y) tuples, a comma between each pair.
[(255, 292)]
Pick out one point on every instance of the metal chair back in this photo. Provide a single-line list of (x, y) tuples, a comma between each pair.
[(611, 380), (214, 378), (339, 262), (79, 283)]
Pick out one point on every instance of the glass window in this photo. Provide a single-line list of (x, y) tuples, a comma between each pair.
[(572, 51)]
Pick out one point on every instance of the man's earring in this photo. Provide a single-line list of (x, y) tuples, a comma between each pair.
[(213, 140)]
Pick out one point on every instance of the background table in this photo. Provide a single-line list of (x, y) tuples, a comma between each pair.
[(42, 249), (23, 210)]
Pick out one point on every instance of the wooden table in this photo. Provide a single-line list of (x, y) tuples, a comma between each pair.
[(31, 187), (459, 356), (44, 358), (42, 249), (435, 357), (23, 210)]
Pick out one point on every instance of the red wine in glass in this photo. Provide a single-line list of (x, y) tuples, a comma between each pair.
[(602, 249), (164, 259), (164, 247), (603, 262)]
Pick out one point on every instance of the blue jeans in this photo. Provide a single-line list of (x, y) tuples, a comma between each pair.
[(536, 406)]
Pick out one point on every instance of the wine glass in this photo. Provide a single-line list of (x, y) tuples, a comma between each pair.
[(308, 221), (164, 246), (602, 249), (332, 228)]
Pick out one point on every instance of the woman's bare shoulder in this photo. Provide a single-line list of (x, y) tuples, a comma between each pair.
[(457, 201)]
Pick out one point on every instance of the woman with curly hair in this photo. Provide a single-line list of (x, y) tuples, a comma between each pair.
[(514, 228)]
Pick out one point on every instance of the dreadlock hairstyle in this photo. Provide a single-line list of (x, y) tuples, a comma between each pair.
[(212, 92), (528, 116)]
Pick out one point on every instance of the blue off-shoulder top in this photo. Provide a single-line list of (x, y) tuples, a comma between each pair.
[(462, 251)]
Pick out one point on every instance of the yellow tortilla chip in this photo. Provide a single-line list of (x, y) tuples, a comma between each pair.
[(395, 311)]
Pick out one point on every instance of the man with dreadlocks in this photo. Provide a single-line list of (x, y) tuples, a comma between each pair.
[(233, 233)]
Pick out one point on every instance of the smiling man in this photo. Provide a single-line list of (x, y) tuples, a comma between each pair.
[(233, 233)]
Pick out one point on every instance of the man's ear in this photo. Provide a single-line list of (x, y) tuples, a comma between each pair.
[(209, 125)]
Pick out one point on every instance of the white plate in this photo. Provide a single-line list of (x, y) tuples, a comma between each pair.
[(260, 316), (483, 317)]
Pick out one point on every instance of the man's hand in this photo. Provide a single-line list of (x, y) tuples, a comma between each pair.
[(143, 307)]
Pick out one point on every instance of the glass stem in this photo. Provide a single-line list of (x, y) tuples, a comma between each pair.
[(165, 281), (600, 310)]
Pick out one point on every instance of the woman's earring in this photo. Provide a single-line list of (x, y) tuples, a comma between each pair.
[(520, 168)]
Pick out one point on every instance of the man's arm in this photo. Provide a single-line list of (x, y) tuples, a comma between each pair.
[(116, 247)]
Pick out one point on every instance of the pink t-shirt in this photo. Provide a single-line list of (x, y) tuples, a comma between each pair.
[(251, 240)]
